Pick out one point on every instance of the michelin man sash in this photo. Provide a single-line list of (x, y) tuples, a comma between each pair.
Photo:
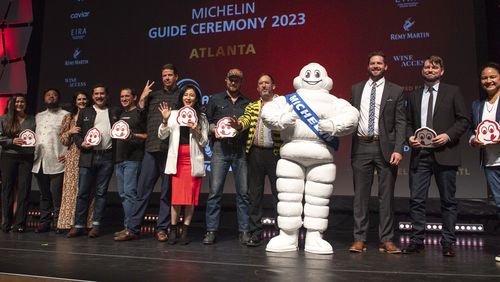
[(309, 117)]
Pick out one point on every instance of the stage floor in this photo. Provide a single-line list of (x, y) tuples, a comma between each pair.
[(44, 257)]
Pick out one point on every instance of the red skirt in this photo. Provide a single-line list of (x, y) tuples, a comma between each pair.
[(185, 188)]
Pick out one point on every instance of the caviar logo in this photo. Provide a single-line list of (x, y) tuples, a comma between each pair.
[(79, 15)]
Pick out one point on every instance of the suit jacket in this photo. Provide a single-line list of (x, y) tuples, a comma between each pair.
[(392, 118), (450, 117), (86, 119), (476, 118)]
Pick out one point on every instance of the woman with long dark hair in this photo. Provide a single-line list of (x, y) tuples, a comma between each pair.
[(185, 159), (70, 183), (16, 163)]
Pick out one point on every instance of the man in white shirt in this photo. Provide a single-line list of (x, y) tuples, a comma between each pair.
[(377, 145), (48, 166), (96, 161)]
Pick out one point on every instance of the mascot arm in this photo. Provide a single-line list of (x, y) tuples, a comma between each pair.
[(344, 121), (278, 115)]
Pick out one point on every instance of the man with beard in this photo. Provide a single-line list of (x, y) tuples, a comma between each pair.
[(438, 106), (377, 145), (48, 165), (96, 161), (155, 157), (129, 153), (227, 152), (262, 150)]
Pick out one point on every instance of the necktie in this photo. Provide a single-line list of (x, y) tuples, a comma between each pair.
[(371, 112), (430, 107)]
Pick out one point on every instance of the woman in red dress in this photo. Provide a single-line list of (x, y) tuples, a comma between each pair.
[(187, 129)]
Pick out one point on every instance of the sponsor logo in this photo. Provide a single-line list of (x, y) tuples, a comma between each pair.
[(408, 24), (79, 15), (78, 33), (408, 61), (76, 59), (409, 33), (406, 3), (74, 82)]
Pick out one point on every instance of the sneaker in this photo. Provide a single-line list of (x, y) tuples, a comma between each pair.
[(209, 238), (497, 258)]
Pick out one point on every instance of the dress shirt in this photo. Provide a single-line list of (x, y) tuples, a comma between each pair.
[(48, 148), (425, 102), (364, 107)]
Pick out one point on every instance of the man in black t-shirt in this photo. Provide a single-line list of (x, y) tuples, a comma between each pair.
[(129, 153)]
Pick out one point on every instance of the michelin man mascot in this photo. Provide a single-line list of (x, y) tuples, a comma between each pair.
[(309, 121)]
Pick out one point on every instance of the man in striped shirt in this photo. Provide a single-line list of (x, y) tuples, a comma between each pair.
[(262, 148)]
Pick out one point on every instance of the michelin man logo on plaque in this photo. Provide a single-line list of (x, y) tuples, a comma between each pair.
[(309, 121)]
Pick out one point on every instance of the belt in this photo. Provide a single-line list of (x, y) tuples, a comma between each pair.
[(102, 151), (369, 138), (262, 147)]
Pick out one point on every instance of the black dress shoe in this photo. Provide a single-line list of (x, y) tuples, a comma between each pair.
[(42, 228), (244, 237), (209, 238), (413, 249), (449, 251), (254, 241)]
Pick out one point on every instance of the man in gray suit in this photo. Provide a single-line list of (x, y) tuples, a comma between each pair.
[(376, 145)]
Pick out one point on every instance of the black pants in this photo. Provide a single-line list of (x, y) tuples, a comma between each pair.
[(261, 162), (365, 161), (50, 195), (16, 169), (420, 180)]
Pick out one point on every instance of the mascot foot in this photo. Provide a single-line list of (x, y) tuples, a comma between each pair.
[(287, 241), (316, 245)]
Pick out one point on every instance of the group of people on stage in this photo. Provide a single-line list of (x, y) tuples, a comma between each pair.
[(73, 173)]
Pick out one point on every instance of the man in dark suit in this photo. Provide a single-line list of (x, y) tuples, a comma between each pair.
[(376, 145), (440, 107)]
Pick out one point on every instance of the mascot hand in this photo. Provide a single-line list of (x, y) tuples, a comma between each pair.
[(288, 119), (325, 125)]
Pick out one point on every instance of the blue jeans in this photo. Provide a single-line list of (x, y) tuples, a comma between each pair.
[(97, 176), (152, 168), (127, 173), (493, 178), (224, 156)]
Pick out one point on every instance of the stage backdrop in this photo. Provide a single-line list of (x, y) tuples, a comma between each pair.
[(125, 43)]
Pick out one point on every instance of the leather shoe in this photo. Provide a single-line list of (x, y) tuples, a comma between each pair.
[(358, 247), (449, 251), (116, 234), (74, 232), (209, 238), (126, 236), (42, 228), (389, 248), (413, 249), (162, 236), (254, 241), (94, 232), (244, 237)]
